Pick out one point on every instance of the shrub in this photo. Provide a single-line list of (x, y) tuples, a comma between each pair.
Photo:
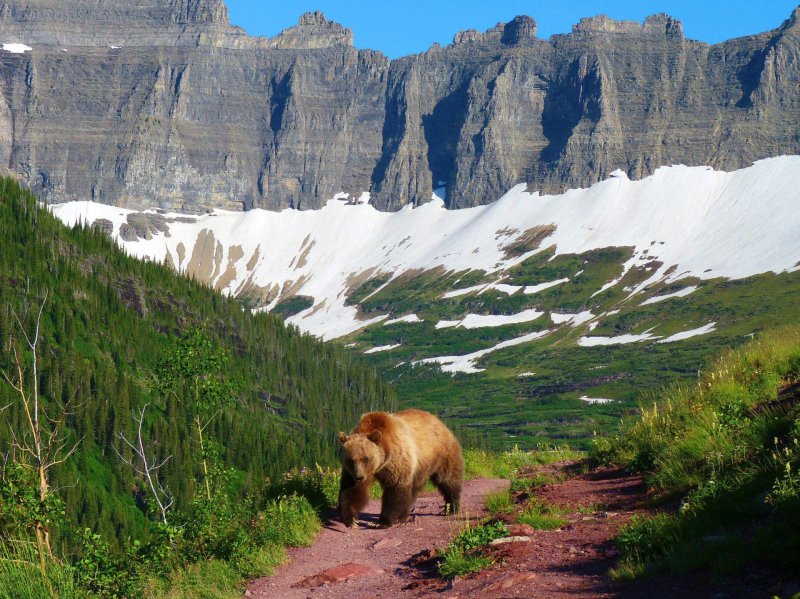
[(319, 485), (458, 563), (462, 555), (499, 503), (645, 539), (472, 537), (288, 521), (541, 516)]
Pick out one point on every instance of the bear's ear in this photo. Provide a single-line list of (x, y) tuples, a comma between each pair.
[(375, 437), (342, 438)]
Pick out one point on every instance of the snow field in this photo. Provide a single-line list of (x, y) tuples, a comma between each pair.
[(691, 219)]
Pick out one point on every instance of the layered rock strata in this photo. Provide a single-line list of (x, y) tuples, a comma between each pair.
[(163, 103)]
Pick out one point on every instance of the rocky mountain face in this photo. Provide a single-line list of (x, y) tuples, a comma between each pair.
[(163, 103)]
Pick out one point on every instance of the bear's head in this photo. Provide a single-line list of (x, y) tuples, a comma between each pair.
[(361, 454)]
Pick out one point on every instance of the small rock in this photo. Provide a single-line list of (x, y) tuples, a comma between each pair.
[(387, 543), (605, 514), (520, 530), (338, 574), (508, 581), (515, 539), (573, 550)]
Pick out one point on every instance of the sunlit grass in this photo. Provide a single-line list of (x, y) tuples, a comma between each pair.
[(542, 516), (730, 451), (21, 576)]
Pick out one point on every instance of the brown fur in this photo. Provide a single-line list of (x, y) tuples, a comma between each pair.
[(401, 451)]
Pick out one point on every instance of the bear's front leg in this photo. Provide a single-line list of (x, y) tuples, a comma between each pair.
[(396, 505), (353, 497)]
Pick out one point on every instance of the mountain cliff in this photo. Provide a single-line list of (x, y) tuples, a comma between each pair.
[(162, 103)]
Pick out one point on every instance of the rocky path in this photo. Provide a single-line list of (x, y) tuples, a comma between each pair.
[(572, 561), (368, 562)]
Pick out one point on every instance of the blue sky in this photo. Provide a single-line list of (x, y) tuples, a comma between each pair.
[(400, 27)]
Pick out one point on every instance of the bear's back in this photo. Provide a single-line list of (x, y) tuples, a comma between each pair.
[(420, 437), (433, 440)]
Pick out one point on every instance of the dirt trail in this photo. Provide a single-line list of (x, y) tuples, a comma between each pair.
[(572, 561), (374, 557)]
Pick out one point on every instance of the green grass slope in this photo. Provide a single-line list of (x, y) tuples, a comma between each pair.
[(530, 393), (728, 449)]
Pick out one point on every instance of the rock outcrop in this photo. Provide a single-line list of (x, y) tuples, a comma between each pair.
[(164, 103)]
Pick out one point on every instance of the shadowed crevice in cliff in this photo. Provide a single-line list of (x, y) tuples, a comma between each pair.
[(566, 103), (394, 128), (749, 77), (442, 131), (281, 92)]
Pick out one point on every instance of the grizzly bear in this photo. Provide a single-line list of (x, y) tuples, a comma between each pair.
[(401, 451)]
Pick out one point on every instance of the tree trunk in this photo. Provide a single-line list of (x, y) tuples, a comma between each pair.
[(41, 527), (203, 456)]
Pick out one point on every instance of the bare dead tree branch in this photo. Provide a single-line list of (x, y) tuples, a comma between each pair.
[(41, 439), (145, 465)]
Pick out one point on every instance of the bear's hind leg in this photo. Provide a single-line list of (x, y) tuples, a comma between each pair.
[(451, 492), (449, 480), (353, 498), (396, 506)]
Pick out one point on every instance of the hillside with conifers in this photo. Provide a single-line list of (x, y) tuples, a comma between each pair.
[(110, 325)]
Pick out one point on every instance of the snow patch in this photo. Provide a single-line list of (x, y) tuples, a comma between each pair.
[(406, 318), (618, 340), (381, 348), (477, 321), (704, 330), (574, 319), (507, 289), (531, 289), (594, 400), (16, 48), (464, 291), (332, 322), (501, 287), (660, 298), (608, 285), (466, 363)]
